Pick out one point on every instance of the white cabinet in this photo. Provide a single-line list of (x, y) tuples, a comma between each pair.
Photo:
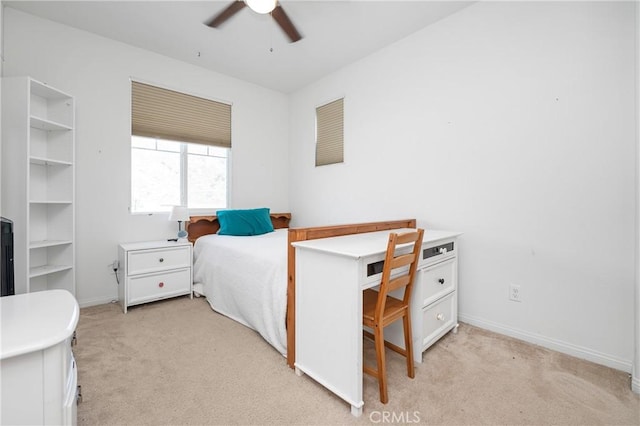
[(154, 270), (39, 374), (38, 183), (434, 302)]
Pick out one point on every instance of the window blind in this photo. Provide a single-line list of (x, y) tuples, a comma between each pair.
[(166, 114), (330, 133)]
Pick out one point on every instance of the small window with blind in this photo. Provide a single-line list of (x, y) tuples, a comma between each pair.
[(330, 133), (179, 151)]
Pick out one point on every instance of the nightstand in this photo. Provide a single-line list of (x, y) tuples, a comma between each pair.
[(154, 270)]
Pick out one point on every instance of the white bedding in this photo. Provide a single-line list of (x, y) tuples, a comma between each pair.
[(245, 278)]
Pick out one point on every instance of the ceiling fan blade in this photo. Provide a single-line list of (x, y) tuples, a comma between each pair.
[(231, 10), (285, 23)]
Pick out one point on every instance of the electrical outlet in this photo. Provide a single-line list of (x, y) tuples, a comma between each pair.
[(114, 266), (514, 293)]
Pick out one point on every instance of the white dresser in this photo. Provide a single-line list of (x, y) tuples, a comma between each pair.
[(331, 274), (39, 375), (154, 270)]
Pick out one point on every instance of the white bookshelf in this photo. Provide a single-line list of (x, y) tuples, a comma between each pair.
[(38, 182)]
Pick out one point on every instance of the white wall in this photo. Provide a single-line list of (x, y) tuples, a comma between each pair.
[(514, 123), (97, 71), (635, 383)]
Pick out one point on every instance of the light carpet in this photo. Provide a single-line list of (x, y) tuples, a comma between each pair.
[(177, 362)]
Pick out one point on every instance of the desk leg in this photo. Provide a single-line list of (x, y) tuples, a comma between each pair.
[(356, 411)]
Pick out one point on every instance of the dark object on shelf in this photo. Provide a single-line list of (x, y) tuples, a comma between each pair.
[(7, 258)]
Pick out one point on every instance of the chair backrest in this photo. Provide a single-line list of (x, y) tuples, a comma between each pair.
[(394, 261)]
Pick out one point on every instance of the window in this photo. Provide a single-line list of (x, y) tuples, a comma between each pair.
[(330, 133), (168, 173), (180, 148)]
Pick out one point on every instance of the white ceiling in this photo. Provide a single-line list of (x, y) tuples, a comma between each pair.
[(250, 46)]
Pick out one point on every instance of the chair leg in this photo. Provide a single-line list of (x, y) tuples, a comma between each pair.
[(382, 367), (408, 344)]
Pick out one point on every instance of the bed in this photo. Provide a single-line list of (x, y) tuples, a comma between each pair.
[(229, 273)]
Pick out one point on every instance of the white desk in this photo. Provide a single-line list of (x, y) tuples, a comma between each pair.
[(331, 274)]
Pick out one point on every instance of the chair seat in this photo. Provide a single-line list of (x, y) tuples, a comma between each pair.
[(393, 307)]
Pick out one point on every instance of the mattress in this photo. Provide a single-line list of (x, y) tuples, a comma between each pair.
[(245, 279)]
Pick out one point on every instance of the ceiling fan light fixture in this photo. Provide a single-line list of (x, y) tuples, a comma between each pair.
[(261, 6)]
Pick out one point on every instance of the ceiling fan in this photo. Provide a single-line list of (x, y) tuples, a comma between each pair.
[(259, 6)]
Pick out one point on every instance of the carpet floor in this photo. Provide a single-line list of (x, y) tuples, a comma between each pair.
[(177, 362)]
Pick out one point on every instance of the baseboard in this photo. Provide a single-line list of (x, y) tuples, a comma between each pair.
[(94, 302), (556, 345), (635, 384)]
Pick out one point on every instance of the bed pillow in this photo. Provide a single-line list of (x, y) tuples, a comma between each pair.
[(244, 222)]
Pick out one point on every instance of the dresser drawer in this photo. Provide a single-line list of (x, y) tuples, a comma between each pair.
[(438, 318), (143, 261), (437, 281), (159, 286), (69, 409), (67, 358)]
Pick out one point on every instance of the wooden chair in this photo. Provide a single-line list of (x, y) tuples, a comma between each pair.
[(380, 309)]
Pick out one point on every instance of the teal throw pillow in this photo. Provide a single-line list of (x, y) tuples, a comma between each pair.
[(244, 222)]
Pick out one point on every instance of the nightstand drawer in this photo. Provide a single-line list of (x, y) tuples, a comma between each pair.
[(159, 286), (437, 281), (143, 261)]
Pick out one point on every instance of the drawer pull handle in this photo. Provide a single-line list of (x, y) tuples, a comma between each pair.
[(441, 280), (161, 259), (161, 284), (440, 317)]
